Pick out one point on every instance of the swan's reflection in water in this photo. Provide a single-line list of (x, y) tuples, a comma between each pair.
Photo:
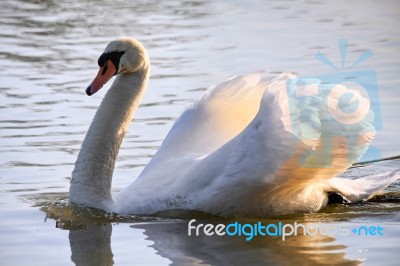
[(93, 247)]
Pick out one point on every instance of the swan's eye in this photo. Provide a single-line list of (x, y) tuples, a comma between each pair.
[(113, 56)]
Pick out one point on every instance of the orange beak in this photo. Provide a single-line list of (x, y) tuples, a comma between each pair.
[(103, 76)]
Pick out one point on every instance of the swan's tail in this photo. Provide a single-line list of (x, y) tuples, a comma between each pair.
[(364, 187)]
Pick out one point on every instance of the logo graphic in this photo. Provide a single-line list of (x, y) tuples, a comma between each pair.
[(282, 230), (337, 111)]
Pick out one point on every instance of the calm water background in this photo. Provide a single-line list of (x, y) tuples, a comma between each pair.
[(48, 55)]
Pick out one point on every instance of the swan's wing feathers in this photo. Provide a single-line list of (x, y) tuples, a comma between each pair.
[(221, 113), (325, 140), (364, 187), (293, 146)]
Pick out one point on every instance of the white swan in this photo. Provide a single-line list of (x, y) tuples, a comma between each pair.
[(238, 151)]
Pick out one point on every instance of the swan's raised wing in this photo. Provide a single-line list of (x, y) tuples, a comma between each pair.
[(221, 114), (281, 162)]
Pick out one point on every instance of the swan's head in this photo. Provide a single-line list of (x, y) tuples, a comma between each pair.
[(124, 55)]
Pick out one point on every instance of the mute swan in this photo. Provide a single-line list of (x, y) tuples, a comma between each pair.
[(238, 151)]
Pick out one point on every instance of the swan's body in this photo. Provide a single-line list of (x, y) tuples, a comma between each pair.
[(237, 151)]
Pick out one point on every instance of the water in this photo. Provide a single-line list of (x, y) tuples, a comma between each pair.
[(48, 53)]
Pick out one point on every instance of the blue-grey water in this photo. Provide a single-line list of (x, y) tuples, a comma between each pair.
[(48, 55)]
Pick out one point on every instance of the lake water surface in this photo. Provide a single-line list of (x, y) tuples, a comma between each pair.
[(48, 55)]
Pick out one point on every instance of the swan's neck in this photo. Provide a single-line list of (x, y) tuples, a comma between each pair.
[(92, 176)]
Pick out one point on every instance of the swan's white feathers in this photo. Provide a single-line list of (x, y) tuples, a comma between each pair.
[(364, 187), (221, 114)]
